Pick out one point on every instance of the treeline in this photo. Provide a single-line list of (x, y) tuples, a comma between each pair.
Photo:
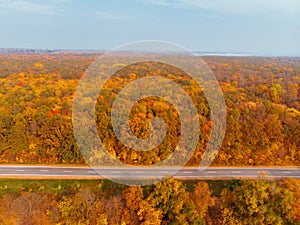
[(43, 51), (169, 202), (262, 97), (26, 51)]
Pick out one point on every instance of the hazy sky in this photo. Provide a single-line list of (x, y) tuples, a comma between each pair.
[(253, 26)]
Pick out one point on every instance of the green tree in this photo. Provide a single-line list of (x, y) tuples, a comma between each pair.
[(293, 186), (256, 202), (171, 197)]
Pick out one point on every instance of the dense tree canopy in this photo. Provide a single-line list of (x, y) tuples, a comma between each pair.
[(257, 202), (172, 201), (262, 98)]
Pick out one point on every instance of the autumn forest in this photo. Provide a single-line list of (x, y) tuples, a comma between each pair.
[(262, 97)]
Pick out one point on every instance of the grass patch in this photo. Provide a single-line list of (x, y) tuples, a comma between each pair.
[(60, 187), (215, 185), (15, 187)]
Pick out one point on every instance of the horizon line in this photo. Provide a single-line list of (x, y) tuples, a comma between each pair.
[(10, 50)]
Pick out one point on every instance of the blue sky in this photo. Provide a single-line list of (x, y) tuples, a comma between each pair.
[(270, 27)]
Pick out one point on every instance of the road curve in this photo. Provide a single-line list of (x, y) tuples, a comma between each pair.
[(143, 173)]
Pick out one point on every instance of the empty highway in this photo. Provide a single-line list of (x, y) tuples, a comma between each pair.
[(144, 173)]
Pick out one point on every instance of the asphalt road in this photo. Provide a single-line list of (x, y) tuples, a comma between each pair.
[(142, 173)]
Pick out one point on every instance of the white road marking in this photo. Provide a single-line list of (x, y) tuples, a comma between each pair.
[(187, 172), (236, 172), (139, 172), (68, 171), (20, 170), (163, 172), (44, 170), (211, 171), (91, 171), (289, 172)]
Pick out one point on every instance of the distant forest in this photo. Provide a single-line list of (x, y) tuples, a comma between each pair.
[(5, 51), (25, 51)]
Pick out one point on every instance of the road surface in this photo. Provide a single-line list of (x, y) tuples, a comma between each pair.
[(143, 173)]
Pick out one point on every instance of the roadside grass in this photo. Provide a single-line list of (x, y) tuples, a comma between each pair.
[(216, 186), (15, 187)]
